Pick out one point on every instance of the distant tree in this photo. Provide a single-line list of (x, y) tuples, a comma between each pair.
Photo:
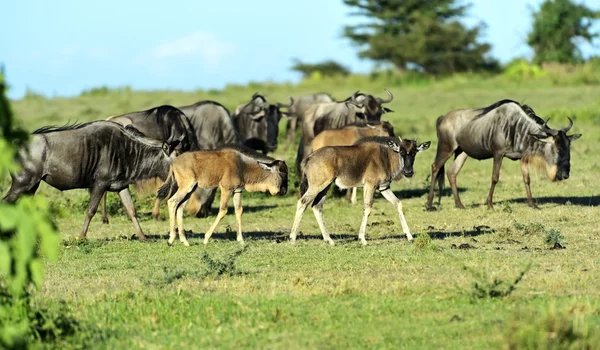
[(422, 33), (325, 68), (558, 26)]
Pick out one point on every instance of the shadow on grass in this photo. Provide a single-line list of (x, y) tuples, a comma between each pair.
[(475, 231), (586, 201), (420, 192)]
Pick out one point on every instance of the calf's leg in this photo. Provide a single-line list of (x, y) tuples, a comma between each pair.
[(317, 208), (125, 196), (389, 195), (174, 203), (182, 238), (237, 204), (95, 197), (306, 199), (369, 193), (222, 212), (156, 210)]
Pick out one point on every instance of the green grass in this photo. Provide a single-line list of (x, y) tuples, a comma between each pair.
[(389, 294)]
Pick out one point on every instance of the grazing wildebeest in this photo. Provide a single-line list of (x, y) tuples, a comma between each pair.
[(372, 163), (231, 168), (101, 156), (164, 123), (347, 136), (503, 129), (297, 110), (257, 123), (214, 128), (357, 108)]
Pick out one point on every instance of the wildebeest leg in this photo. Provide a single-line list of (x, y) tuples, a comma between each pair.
[(437, 166), (174, 203), (369, 193), (125, 196), (291, 131), (156, 210), (104, 213), (453, 173), (95, 197), (303, 202), (389, 195), (351, 195), (317, 208), (526, 180), (222, 212), (495, 179), (24, 183), (237, 204), (182, 238)]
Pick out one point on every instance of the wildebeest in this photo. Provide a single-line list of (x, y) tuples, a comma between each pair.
[(297, 110), (231, 168), (372, 163), (100, 156), (257, 123), (348, 135), (503, 129), (357, 108), (164, 123), (214, 128)]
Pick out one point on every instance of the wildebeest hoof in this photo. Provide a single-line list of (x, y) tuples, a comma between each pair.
[(533, 206), (330, 242), (460, 206), (185, 244), (157, 217), (141, 237), (105, 221), (363, 243), (430, 208)]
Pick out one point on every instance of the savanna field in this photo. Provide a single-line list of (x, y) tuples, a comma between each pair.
[(473, 278)]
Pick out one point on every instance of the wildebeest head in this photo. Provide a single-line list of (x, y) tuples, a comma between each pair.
[(278, 179), (557, 151), (170, 148), (269, 115), (408, 150), (371, 106)]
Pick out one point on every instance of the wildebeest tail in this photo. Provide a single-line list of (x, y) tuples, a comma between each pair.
[(169, 187), (303, 185)]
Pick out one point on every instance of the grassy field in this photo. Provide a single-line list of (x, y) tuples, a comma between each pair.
[(438, 292)]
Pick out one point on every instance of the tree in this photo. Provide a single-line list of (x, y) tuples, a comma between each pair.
[(422, 33), (557, 26), (326, 68)]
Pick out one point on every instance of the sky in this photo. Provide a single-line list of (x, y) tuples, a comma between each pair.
[(61, 47)]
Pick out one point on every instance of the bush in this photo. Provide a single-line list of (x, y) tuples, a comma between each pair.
[(319, 70), (485, 287), (520, 69)]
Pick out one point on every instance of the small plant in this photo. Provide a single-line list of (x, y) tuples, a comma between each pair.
[(484, 286), (423, 242), (554, 239), (224, 266), (506, 207), (529, 228)]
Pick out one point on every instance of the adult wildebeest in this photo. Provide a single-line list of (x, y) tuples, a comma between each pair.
[(233, 169), (101, 156), (257, 123), (347, 136), (164, 123), (297, 110), (372, 163), (357, 108), (503, 129), (214, 128)]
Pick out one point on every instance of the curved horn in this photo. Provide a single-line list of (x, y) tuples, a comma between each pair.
[(547, 129), (390, 98), (280, 105), (568, 127)]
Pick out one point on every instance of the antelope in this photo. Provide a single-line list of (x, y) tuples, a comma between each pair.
[(505, 129), (348, 135), (232, 168), (372, 163)]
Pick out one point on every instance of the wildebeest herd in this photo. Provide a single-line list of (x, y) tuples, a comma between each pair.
[(198, 148)]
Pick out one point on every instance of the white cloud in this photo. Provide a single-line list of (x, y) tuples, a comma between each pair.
[(198, 44)]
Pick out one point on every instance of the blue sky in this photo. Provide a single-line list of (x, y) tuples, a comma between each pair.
[(61, 47)]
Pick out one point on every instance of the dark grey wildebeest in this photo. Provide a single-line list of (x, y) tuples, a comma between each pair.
[(257, 123), (297, 110), (333, 115), (100, 156), (214, 128), (164, 123), (503, 129)]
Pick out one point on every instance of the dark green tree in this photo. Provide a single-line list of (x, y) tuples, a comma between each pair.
[(326, 68), (557, 28), (422, 33)]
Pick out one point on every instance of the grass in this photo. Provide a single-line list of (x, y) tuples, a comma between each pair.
[(389, 294)]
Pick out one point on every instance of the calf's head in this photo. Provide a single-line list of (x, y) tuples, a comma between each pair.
[(277, 180), (408, 150), (557, 150)]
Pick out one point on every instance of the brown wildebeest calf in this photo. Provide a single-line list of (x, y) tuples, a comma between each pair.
[(372, 163), (232, 169), (347, 136)]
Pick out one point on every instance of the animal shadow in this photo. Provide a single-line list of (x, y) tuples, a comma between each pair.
[(585, 201), (420, 192), (475, 231)]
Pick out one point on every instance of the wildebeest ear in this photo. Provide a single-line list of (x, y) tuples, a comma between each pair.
[(371, 126), (165, 148), (543, 138), (288, 114), (387, 110), (394, 146), (422, 147), (265, 166), (574, 137), (258, 116), (173, 145)]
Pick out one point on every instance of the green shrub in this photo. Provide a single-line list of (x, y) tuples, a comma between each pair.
[(484, 286), (521, 69)]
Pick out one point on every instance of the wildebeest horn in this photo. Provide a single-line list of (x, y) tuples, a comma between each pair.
[(547, 130), (279, 105), (568, 127), (390, 98)]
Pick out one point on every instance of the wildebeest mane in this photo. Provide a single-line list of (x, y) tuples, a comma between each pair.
[(382, 140), (54, 128), (247, 151), (208, 102), (525, 108)]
